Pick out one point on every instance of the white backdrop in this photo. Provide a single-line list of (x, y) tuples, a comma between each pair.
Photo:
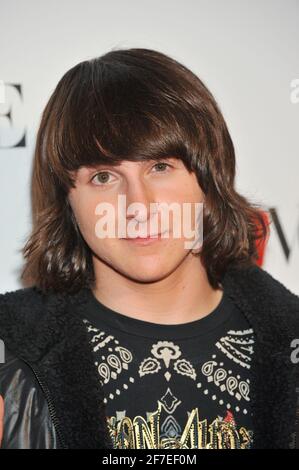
[(246, 51)]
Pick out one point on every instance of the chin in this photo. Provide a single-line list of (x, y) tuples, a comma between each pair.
[(146, 275), (148, 279)]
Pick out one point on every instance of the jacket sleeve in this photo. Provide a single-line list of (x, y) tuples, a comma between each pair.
[(27, 422)]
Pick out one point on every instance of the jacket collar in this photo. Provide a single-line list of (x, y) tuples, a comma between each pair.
[(273, 312), (43, 330)]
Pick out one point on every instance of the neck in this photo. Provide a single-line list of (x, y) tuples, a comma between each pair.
[(183, 296)]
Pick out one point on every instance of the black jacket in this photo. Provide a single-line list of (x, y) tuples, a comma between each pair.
[(53, 398)]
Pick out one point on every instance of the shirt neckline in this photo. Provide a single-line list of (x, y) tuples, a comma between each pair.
[(101, 315)]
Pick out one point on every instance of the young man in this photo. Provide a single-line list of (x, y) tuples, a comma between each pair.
[(143, 343)]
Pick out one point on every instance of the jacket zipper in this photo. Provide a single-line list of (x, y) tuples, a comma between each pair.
[(50, 405)]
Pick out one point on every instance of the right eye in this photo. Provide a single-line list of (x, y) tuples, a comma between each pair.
[(102, 178)]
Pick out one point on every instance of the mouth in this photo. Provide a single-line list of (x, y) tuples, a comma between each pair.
[(144, 240)]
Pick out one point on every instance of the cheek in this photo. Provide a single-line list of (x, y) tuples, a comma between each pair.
[(192, 192), (184, 189), (84, 211)]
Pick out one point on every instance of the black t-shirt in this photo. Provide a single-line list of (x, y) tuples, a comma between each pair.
[(174, 386)]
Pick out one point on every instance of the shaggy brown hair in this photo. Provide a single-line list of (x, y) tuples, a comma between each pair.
[(133, 104)]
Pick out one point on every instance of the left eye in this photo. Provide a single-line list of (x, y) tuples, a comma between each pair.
[(162, 164)]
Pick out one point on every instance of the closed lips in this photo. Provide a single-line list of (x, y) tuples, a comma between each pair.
[(148, 236)]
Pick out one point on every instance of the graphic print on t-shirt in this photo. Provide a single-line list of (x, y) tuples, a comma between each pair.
[(190, 390)]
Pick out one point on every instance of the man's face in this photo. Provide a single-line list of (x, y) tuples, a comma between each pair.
[(147, 182)]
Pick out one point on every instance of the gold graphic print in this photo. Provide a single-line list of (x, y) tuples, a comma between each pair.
[(166, 352), (139, 434)]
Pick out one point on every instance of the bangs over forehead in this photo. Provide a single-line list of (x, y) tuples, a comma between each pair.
[(128, 106)]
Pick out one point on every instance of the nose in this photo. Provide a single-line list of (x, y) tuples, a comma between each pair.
[(141, 194)]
